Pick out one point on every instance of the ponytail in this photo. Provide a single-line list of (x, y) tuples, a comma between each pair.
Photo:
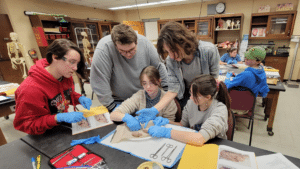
[(223, 96)]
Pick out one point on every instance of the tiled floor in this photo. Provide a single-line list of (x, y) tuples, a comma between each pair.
[(286, 129)]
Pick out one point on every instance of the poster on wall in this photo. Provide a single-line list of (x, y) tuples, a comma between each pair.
[(137, 26), (40, 36), (258, 32), (284, 7)]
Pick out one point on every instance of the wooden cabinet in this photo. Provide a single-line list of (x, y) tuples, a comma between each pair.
[(202, 26), (98, 29), (272, 25), (49, 28), (6, 28), (7, 73), (228, 33), (277, 62), (105, 27)]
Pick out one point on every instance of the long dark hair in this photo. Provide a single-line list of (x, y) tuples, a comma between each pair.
[(60, 48), (207, 85), (174, 34)]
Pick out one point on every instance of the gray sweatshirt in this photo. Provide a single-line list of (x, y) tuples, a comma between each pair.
[(213, 120), (113, 77), (207, 59)]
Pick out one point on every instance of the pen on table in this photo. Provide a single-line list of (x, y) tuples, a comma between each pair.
[(38, 159), (33, 163)]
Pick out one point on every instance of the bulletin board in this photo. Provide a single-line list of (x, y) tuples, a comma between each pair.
[(137, 26)]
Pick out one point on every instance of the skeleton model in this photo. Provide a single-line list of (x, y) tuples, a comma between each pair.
[(228, 23), (238, 24), (232, 24), (86, 45), (15, 48)]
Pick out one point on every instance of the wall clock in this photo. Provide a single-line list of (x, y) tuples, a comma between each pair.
[(220, 8)]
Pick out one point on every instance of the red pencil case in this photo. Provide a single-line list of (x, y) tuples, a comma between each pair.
[(78, 156)]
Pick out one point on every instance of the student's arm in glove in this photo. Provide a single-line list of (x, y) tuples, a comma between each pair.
[(70, 117)]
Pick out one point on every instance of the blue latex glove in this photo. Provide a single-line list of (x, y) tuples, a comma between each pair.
[(90, 140), (160, 121), (117, 105), (71, 117), (85, 102), (156, 131), (234, 62), (229, 61), (228, 75), (132, 123), (145, 115)]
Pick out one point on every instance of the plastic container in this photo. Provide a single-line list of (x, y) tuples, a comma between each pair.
[(283, 51)]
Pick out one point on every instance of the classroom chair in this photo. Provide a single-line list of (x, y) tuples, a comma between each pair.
[(178, 113), (242, 98), (231, 125), (2, 138)]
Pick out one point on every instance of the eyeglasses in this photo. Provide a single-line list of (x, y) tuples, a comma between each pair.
[(131, 51), (72, 63)]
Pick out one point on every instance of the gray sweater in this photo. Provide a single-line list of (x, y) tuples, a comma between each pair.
[(213, 120), (113, 77), (208, 62)]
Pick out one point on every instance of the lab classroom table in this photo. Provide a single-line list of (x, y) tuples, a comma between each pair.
[(59, 139), (272, 99), (18, 154), (5, 105)]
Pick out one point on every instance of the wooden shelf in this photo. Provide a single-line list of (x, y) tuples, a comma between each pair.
[(270, 38), (228, 30), (59, 38), (259, 23), (224, 48), (57, 33)]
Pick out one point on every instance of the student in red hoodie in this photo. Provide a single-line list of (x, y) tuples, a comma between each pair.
[(43, 98)]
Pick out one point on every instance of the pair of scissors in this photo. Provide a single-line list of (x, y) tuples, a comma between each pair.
[(168, 157), (154, 156)]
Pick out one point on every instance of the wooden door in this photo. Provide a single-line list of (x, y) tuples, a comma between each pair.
[(105, 29), (7, 73), (279, 26), (94, 37), (6, 28), (203, 29)]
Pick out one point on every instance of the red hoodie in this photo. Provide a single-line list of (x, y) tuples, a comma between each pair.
[(40, 97)]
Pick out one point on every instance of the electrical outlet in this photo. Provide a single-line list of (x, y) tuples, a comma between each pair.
[(13, 108)]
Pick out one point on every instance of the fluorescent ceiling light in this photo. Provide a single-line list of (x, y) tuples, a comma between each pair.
[(145, 4)]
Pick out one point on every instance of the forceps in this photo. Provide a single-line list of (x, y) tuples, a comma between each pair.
[(168, 157), (168, 146), (154, 156)]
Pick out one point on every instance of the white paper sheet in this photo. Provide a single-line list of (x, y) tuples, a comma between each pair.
[(144, 148), (274, 161), (235, 159), (3, 98), (93, 124)]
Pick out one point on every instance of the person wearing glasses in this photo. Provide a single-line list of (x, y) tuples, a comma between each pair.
[(117, 63), (187, 59), (152, 93), (43, 98)]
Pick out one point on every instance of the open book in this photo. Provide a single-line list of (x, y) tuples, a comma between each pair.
[(95, 117), (214, 156), (232, 158)]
